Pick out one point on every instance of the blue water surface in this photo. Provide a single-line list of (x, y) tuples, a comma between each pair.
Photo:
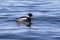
[(45, 20)]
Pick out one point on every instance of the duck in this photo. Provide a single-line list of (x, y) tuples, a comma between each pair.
[(25, 18)]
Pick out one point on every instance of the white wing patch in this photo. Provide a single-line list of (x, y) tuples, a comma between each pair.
[(22, 19)]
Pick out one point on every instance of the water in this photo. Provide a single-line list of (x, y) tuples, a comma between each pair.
[(45, 21)]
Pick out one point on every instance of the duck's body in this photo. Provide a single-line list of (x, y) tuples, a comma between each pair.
[(25, 18), (22, 19)]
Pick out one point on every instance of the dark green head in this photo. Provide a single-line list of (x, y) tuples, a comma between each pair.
[(30, 14)]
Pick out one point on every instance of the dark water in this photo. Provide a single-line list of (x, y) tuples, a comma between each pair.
[(45, 23)]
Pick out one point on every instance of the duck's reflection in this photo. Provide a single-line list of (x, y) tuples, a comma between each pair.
[(28, 24)]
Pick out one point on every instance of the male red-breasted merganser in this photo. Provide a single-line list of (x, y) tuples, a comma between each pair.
[(25, 18)]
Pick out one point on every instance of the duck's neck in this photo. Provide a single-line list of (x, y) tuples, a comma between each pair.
[(29, 16)]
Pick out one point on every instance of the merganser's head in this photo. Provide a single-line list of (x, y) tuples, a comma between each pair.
[(30, 14)]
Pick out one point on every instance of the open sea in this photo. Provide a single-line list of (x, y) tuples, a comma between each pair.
[(45, 20)]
